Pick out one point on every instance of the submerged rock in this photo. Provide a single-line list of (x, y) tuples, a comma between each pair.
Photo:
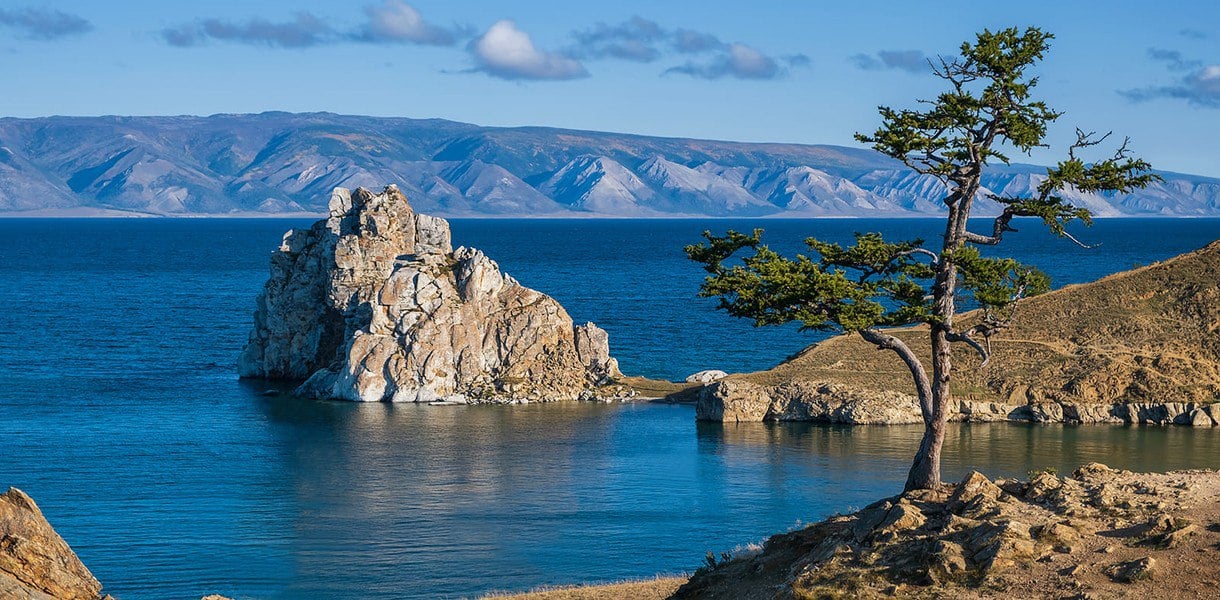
[(374, 304), (35, 563)]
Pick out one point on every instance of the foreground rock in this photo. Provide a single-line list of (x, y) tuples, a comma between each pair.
[(374, 304), (1100, 533), (35, 563), (1142, 346)]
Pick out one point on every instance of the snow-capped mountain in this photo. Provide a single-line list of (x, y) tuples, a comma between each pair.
[(284, 163)]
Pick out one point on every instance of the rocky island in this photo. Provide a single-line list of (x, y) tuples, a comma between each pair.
[(374, 304)]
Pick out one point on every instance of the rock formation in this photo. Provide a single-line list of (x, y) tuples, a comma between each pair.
[(1142, 346), (373, 304), (741, 401), (1099, 533), (35, 563)]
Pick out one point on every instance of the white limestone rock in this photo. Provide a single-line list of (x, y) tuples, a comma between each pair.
[(707, 376), (373, 304)]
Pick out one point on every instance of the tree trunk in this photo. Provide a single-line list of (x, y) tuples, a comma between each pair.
[(925, 472)]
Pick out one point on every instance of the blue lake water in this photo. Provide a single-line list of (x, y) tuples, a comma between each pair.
[(121, 414)]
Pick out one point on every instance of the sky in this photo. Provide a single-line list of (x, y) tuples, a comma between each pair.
[(765, 71)]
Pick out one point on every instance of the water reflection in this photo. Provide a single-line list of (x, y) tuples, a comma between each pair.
[(450, 501)]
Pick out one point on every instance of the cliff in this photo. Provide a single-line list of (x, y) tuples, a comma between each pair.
[(1141, 346), (374, 304), (35, 563)]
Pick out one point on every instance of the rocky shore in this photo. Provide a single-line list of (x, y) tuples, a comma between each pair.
[(35, 563), (736, 401), (1137, 347), (1097, 534), (374, 304)]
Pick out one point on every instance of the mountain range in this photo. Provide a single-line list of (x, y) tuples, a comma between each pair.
[(275, 163)]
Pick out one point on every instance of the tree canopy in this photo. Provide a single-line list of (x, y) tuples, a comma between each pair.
[(986, 112)]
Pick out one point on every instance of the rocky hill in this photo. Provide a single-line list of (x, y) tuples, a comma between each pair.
[(1141, 346), (274, 163), (374, 304)]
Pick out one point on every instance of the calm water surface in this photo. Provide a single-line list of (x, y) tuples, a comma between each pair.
[(121, 415)]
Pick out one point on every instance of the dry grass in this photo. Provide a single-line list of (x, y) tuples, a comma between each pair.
[(1149, 334), (651, 589)]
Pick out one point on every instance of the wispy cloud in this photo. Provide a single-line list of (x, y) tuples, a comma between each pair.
[(1193, 34), (397, 21), (43, 24), (911, 61), (303, 31), (1173, 59), (709, 57), (392, 21), (689, 41), (506, 52), (635, 39), (1198, 86), (739, 61)]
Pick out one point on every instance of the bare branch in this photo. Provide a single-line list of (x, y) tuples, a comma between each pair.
[(923, 385), (964, 336), (1078, 242)]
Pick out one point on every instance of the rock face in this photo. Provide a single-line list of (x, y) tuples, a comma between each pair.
[(373, 304), (35, 563), (741, 401)]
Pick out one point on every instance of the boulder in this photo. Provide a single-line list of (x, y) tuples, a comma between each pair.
[(707, 376), (374, 304), (35, 563)]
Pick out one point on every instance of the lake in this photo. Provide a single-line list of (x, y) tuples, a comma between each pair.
[(120, 413)]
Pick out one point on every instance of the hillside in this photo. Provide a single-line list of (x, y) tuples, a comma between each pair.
[(1148, 337), (274, 163)]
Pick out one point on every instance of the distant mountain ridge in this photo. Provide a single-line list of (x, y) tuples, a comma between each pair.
[(276, 162)]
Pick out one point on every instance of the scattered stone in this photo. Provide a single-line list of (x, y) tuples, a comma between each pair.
[(1000, 545), (1132, 571), (1059, 536), (901, 517), (974, 489)]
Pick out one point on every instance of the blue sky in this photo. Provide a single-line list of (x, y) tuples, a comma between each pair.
[(809, 72)]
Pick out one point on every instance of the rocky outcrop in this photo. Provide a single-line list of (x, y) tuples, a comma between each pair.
[(1140, 347), (35, 563), (374, 304), (741, 401), (1099, 533)]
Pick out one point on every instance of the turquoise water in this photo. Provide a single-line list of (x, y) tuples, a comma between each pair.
[(120, 413)]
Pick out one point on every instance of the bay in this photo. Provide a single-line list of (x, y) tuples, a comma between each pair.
[(121, 415)]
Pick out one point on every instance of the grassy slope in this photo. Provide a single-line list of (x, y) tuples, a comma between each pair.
[(1150, 334)]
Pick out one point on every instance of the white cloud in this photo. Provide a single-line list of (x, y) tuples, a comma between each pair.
[(397, 21), (506, 52)]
